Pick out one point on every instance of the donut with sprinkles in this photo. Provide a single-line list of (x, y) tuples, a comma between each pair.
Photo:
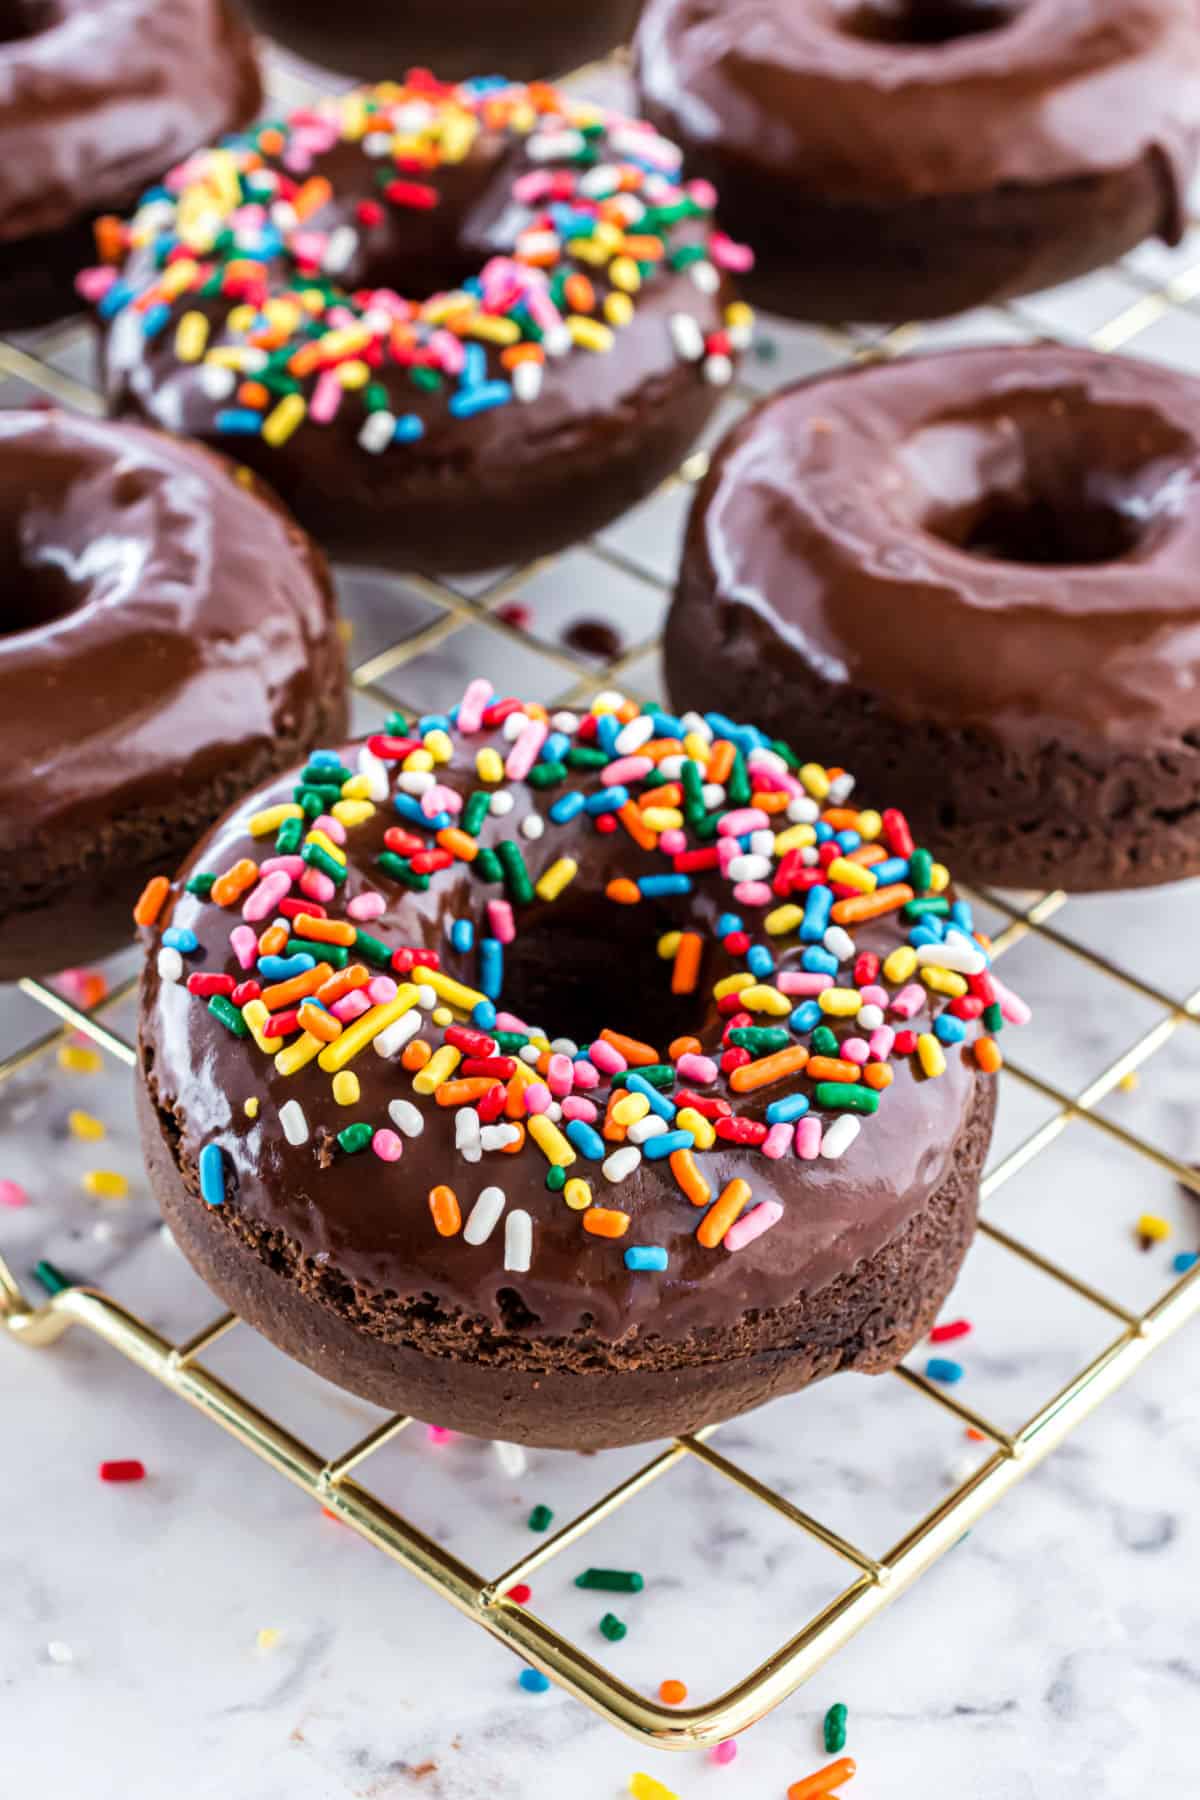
[(570, 1078), (454, 326)]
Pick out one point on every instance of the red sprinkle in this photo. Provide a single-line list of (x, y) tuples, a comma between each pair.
[(291, 909), (521, 1593), (953, 1328), (866, 969), (472, 1043), (906, 1043), (412, 193), (246, 990), (606, 824), (403, 843), (735, 1058), (499, 710), (741, 1131), (128, 1470), (205, 985), (897, 833)]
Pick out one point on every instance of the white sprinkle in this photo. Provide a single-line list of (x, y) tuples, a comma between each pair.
[(417, 781), (718, 370), (511, 1457), (406, 1117), (169, 964), (803, 810), (378, 143), (566, 722), (840, 1135), (514, 725), (648, 1127), (527, 380), (533, 826), (686, 336), (217, 382), (58, 1652), (554, 1111), (870, 1018), (484, 1215), (841, 788), (378, 430), (960, 959), (747, 868), (550, 146), (564, 1046), (631, 737), (839, 943), (468, 1140), (529, 1053), (426, 997), (102, 1231), (375, 772), (671, 767), (608, 701), (705, 276), (557, 341), (293, 1122), (518, 1241), (762, 843), (500, 803), (498, 1137), (713, 795), (339, 251), (740, 336), (693, 722), (621, 1163), (601, 181)]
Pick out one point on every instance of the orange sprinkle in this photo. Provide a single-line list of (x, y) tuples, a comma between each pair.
[(769, 1068), (641, 833), (720, 760), (821, 1785), (443, 1204), (514, 1106), (316, 193), (415, 1055), (988, 1055), (771, 803), (253, 393), (625, 893), (325, 931), (605, 1221), (684, 1046), (513, 354), (672, 1693), (643, 249), (722, 1213), (686, 973), (878, 1076), (832, 1068), (669, 794), (871, 906), (110, 238), (579, 294), (687, 1174), (271, 141), (632, 1049), (233, 883), (866, 854), (150, 900), (466, 1092), (458, 843), (626, 712), (657, 748), (518, 1143), (841, 818), (319, 1021), (297, 988), (343, 982), (274, 939)]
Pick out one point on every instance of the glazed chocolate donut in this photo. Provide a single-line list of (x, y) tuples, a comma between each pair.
[(752, 1160), (976, 572), (522, 39), (168, 641), (97, 97), (894, 159), (572, 335)]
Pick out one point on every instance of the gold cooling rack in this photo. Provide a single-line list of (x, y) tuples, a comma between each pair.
[(337, 1485)]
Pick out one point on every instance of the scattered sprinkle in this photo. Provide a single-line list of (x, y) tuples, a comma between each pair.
[(128, 1470), (835, 1728)]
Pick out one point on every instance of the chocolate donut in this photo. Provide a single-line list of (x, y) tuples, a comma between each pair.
[(522, 39), (168, 641), (895, 159), (97, 97), (573, 334), (754, 1160), (977, 573)]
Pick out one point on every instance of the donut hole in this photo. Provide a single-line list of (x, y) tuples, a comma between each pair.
[(924, 22), (27, 19), (42, 586)]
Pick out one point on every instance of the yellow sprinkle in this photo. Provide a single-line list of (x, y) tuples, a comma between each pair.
[(738, 313), (454, 993), (79, 1060), (587, 250), (550, 1140), (85, 1125), (418, 762), (251, 1107), (869, 827), (317, 836), (668, 944), (929, 1053), (815, 780), (732, 984), (697, 747), (662, 818), (256, 1015), (285, 418), (301, 1050), (944, 981), (796, 837), (457, 134), (589, 334), (351, 812), (241, 318), (1152, 1227), (607, 703), (345, 1087), (191, 337), (644, 1787), (493, 330), (767, 1000), (357, 788), (267, 1638), (441, 1015), (439, 1068), (558, 876), (900, 964), (1129, 1082), (939, 878), (624, 273), (842, 1003), (539, 1042), (364, 1030), (631, 1108), (852, 875), (106, 1184), (489, 765), (354, 375), (175, 278), (577, 1194), (702, 1129), (618, 308), (783, 919), (262, 824), (438, 745)]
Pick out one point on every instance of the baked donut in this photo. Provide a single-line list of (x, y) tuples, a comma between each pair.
[(97, 97), (168, 641), (520, 38), (894, 159), (570, 329), (976, 573), (751, 1159)]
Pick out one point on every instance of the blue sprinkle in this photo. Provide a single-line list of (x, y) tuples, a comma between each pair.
[(1185, 1260), (645, 1256), (462, 935), (566, 807), (483, 1015), (727, 924), (491, 966), (960, 912), (178, 937), (212, 1175), (940, 1368), (666, 726), (410, 808), (238, 421), (409, 427), (118, 296), (654, 885), (662, 1146), (325, 759), (949, 1029), (637, 1084), (818, 961), (533, 1681), (958, 935), (432, 722), (924, 933), (793, 1106), (610, 799), (608, 730), (823, 831), (480, 399), (848, 840), (586, 1139), (155, 319), (282, 968), (817, 908), (555, 747), (474, 372), (890, 870), (806, 1017), (759, 960)]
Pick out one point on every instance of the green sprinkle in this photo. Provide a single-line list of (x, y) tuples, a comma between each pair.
[(688, 254), (539, 1518), (659, 1075), (761, 1039), (475, 812), (935, 904), (323, 775), (337, 955), (556, 1178), (355, 1137), (223, 1008), (487, 865), (308, 793), (509, 1042), (920, 871), (428, 379), (993, 1018), (372, 948), (705, 829), (737, 788), (51, 1277), (396, 725), (787, 753), (201, 886), (289, 837), (824, 1041), (398, 869), (611, 1581), (612, 1628), (516, 875), (846, 1096), (835, 1728), (546, 774), (316, 858), (693, 786), (583, 756)]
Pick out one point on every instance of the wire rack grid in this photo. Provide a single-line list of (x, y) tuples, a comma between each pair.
[(1149, 295)]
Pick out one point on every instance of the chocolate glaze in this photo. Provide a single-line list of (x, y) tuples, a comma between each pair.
[(97, 97), (370, 1221), (880, 175), (832, 525), (523, 39), (473, 493)]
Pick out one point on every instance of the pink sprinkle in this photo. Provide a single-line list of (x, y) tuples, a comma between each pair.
[(586, 1076), (728, 255), (291, 865), (387, 1146), (1012, 1007), (470, 707), (266, 896), (244, 945), (874, 996), (776, 1143), (723, 1752), (506, 1021), (500, 921), (760, 1218), (576, 1107), (529, 189), (606, 1057), (672, 843), (381, 989), (855, 1050), (808, 1138), (367, 906), (703, 193), (350, 1006), (537, 1097), (317, 886), (697, 1068), (560, 1075), (881, 1041), (524, 752), (799, 981), (13, 1194), (92, 284), (753, 893), (727, 850), (449, 351), (746, 818), (909, 1001), (327, 398), (440, 799), (333, 828), (439, 1434), (625, 769)]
